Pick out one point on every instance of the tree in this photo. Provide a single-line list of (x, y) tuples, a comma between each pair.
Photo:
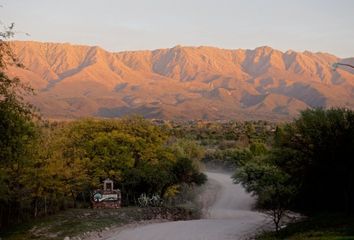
[(17, 131), (261, 177), (309, 169), (185, 148), (316, 151)]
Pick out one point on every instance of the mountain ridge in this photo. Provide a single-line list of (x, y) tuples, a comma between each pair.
[(181, 82)]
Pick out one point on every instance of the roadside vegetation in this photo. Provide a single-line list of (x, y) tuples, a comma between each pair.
[(318, 227), (309, 170), (62, 163)]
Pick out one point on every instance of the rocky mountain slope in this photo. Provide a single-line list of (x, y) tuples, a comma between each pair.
[(181, 82)]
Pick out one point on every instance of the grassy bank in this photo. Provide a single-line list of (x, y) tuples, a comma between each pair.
[(323, 227), (76, 222)]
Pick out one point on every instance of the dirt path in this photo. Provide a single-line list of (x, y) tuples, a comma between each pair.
[(229, 217)]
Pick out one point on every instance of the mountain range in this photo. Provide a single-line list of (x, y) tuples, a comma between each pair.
[(181, 83)]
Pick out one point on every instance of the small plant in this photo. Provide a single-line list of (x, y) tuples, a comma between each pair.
[(156, 201), (143, 200), (153, 201)]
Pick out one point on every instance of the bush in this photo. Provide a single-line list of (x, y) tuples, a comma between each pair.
[(153, 201)]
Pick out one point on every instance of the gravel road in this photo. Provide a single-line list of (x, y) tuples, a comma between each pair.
[(229, 217)]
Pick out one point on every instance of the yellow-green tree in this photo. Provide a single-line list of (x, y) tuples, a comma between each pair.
[(17, 131)]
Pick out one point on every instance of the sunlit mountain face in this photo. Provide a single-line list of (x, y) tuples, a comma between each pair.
[(181, 82)]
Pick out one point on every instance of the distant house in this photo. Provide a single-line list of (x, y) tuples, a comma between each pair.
[(108, 197)]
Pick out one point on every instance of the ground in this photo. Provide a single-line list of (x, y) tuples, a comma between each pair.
[(86, 223), (322, 227)]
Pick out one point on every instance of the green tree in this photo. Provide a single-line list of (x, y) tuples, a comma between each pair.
[(316, 151), (190, 149), (17, 131), (272, 186), (310, 168)]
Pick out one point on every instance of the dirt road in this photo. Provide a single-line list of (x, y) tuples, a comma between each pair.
[(229, 217)]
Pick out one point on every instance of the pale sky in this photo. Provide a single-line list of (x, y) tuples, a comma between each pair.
[(116, 25)]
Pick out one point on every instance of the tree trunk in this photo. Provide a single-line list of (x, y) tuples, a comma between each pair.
[(45, 205), (35, 207), (74, 198)]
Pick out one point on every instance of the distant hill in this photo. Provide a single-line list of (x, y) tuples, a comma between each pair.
[(181, 82)]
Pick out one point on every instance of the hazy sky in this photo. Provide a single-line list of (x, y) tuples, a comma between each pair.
[(315, 25)]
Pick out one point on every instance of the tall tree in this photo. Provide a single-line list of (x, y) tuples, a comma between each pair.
[(317, 152), (310, 168), (17, 130)]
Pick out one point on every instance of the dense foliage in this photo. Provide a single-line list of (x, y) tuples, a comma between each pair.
[(226, 143), (317, 151), (310, 167), (69, 160), (18, 134)]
